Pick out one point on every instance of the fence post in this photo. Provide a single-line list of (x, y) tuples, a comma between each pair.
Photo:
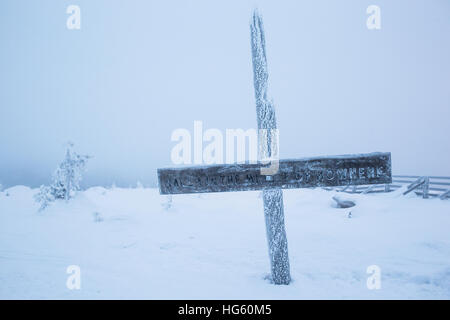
[(387, 187), (425, 187)]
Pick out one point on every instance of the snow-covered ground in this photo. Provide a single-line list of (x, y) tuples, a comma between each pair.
[(214, 246)]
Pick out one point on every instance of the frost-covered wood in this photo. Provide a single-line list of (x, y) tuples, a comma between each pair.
[(346, 170), (414, 185), (425, 187), (369, 189), (445, 195), (273, 198), (357, 169)]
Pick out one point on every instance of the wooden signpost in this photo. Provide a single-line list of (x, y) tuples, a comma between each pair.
[(345, 170), (362, 169)]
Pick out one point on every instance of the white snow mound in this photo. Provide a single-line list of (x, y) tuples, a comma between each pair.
[(213, 246)]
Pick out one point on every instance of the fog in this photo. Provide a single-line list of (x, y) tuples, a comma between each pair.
[(138, 70)]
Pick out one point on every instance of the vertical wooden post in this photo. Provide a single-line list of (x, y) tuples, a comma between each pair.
[(425, 187), (273, 198), (387, 187)]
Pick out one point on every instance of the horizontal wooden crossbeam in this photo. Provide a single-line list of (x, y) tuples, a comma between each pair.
[(359, 169)]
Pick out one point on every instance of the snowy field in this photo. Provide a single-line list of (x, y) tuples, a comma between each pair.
[(213, 246)]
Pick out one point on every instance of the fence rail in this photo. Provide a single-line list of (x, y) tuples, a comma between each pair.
[(424, 186)]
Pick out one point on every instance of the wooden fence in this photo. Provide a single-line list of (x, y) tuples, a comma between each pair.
[(424, 186)]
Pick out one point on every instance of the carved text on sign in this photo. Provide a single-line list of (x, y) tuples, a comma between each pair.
[(372, 168)]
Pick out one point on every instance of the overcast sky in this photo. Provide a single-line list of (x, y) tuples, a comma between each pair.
[(137, 70)]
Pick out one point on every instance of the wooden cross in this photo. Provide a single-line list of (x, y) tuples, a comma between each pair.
[(361, 169)]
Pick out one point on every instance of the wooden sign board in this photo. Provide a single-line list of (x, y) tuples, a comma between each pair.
[(329, 171)]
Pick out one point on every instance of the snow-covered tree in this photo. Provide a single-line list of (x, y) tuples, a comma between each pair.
[(65, 180), (44, 197), (68, 175)]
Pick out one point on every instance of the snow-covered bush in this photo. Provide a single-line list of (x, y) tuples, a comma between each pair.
[(65, 180), (44, 197)]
